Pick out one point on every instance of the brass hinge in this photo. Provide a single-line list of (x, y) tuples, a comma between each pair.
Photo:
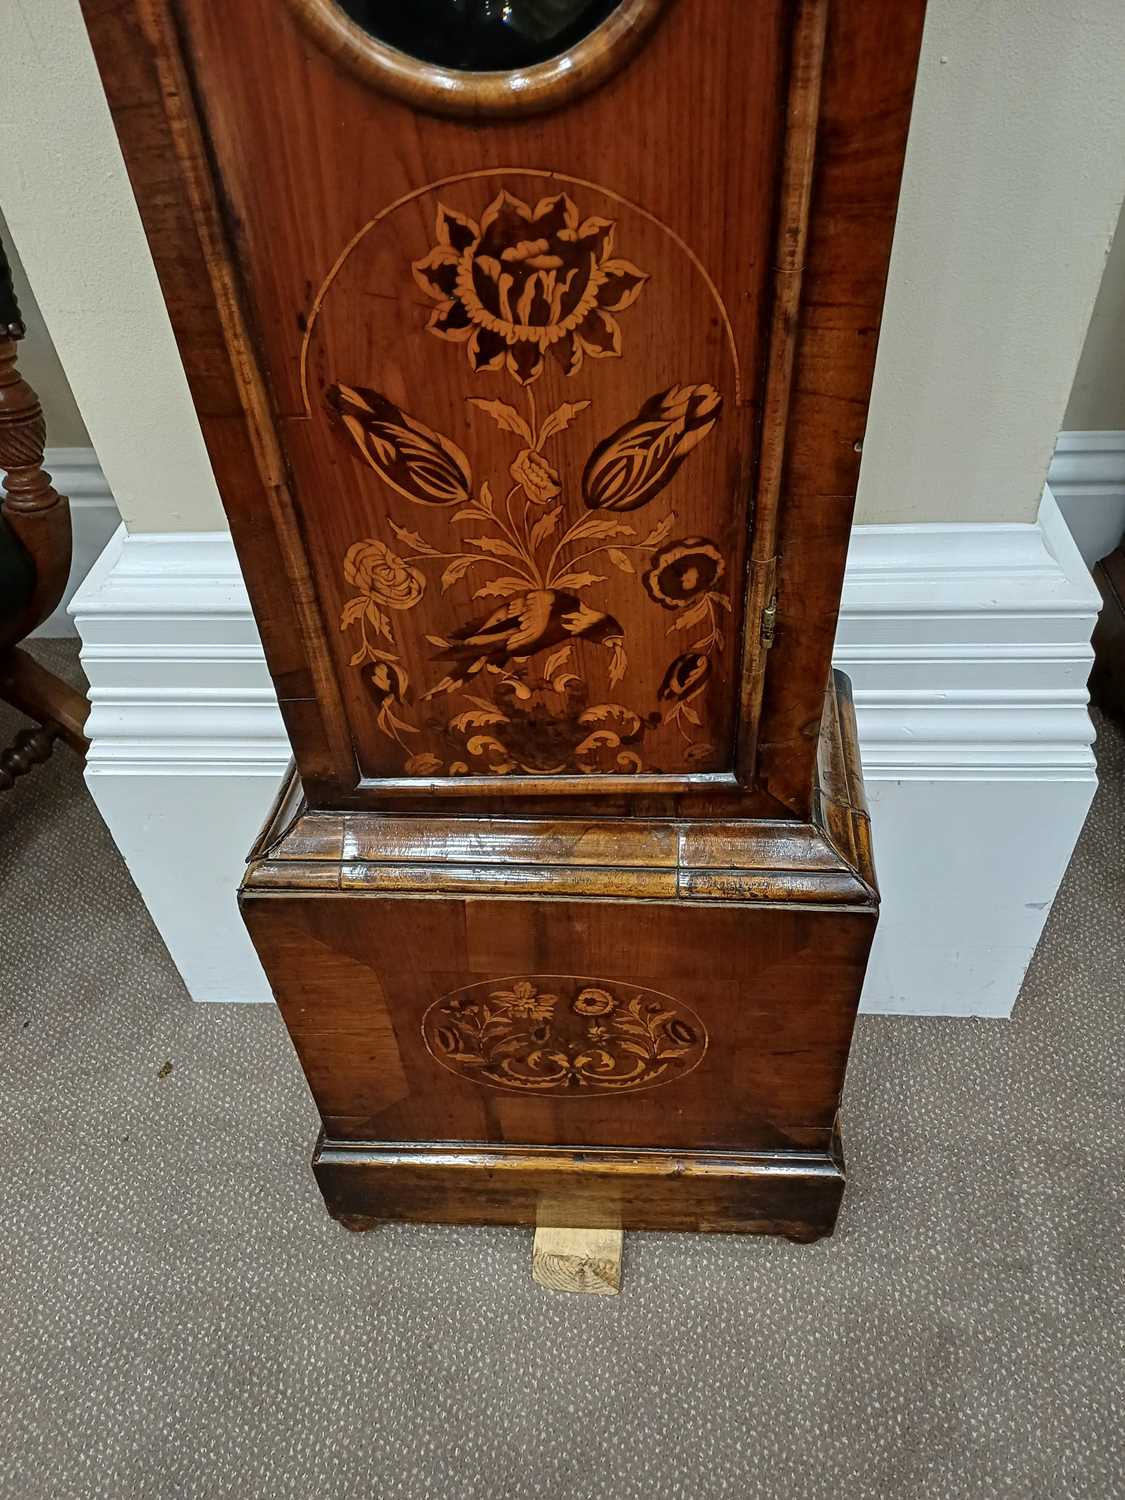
[(769, 622)]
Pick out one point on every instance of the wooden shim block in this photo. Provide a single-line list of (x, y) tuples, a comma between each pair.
[(578, 1260)]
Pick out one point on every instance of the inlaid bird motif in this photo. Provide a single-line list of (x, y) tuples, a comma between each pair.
[(524, 626)]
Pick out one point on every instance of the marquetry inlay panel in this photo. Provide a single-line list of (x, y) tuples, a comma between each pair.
[(562, 1034), (542, 568)]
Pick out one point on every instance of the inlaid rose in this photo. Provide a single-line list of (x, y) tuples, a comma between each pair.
[(374, 569), (527, 282), (683, 570)]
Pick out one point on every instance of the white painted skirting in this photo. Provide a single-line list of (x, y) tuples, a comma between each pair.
[(968, 647), (1088, 480)]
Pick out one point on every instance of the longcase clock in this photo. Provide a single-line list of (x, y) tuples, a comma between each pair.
[(532, 345)]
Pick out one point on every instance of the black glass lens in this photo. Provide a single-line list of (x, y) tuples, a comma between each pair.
[(480, 36)]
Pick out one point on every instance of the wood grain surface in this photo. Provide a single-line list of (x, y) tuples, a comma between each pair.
[(527, 90), (438, 1002), (539, 427), (587, 1261), (634, 270), (791, 1193)]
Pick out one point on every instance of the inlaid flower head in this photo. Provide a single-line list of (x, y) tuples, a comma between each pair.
[(683, 570), (686, 677), (375, 570), (388, 682), (538, 479), (527, 282), (631, 466), (594, 1001), (413, 459), (525, 1002)]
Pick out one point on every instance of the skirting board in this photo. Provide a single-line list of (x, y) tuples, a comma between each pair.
[(1087, 479), (968, 647)]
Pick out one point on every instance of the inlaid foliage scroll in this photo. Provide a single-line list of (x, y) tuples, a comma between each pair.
[(559, 1034), (533, 397)]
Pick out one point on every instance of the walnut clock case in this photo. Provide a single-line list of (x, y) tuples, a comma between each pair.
[(532, 352)]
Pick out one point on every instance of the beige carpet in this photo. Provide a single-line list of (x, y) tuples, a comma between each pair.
[(179, 1318)]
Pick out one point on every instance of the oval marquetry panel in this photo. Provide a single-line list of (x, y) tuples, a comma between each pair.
[(562, 1034)]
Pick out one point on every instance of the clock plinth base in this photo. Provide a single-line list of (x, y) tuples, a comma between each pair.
[(619, 1023), (791, 1193)]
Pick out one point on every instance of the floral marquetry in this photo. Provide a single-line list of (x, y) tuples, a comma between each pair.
[(418, 463), (558, 1034), (512, 632), (528, 282), (632, 466), (539, 441)]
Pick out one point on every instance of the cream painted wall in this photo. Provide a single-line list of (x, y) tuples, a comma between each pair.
[(70, 209), (1097, 402), (40, 365), (1015, 175)]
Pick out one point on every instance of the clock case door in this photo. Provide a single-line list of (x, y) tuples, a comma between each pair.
[(539, 436)]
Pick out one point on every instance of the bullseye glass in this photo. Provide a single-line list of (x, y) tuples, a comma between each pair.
[(480, 35)]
